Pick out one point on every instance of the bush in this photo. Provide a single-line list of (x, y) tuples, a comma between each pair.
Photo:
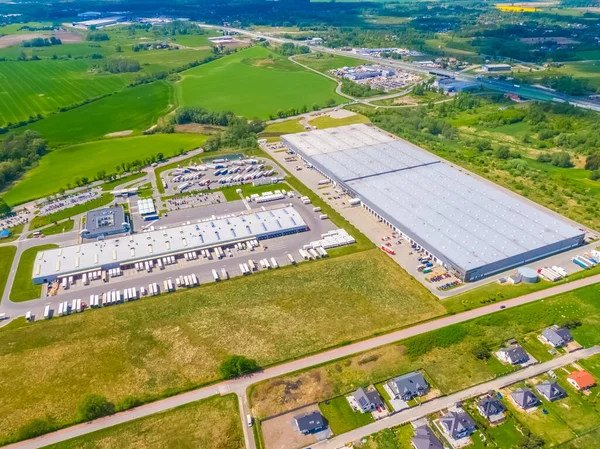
[(128, 402), (237, 365), (35, 428), (94, 406)]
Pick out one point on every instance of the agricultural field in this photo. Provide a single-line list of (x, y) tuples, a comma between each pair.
[(134, 109), (177, 341), (255, 83), (153, 61), (40, 87), (23, 289), (60, 168), (7, 255), (446, 356), (211, 423)]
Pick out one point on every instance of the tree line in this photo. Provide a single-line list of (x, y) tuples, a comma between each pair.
[(42, 42), (18, 153)]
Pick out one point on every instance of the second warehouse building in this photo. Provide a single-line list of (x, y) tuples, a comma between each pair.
[(468, 225)]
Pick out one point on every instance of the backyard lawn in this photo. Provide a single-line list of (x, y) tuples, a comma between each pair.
[(341, 417)]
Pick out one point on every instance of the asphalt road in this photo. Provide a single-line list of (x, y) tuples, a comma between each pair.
[(438, 404), (239, 386)]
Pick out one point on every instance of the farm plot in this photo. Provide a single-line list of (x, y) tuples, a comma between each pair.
[(39, 87), (174, 342), (255, 83), (211, 423), (62, 167), (134, 109)]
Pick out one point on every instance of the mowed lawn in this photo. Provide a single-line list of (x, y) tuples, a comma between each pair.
[(255, 83), (61, 167), (211, 423), (134, 109), (324, 62), (178, 341), (7, 255), (28, 88), (22, 288)]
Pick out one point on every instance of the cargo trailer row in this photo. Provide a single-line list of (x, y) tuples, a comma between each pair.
[(549, 274), (192, 255)]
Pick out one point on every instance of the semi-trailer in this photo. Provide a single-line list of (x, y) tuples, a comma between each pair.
[(215, 275), (242, 269), (47, 312), (155, 285), (304, 254), (166, 286), (274, 263), (586, 261), (576, 261), (61, 310), (194, 279), (78, 305), (246, 269), (186, 281), (252, 265), (291, 259), (74, 305), (170, 285), (267, 264), (313, 253)]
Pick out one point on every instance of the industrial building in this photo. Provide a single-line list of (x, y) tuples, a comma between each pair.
[(124, 252), (103, 222), (452, 85), (496, 67), (98, 23), (470, 226), (147, 209)]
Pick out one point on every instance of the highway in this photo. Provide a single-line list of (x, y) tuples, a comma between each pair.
[(239, 386), (524, 91)]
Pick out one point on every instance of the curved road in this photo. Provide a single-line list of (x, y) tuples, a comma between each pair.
[(239, 386)]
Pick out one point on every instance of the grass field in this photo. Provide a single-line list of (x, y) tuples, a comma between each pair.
[(330, 122), (39, 87), (327, 62), (7, 255), (134, 109), (58, 228), (394, 438), (212, 423), (445, 355), (273, 131), (60, 167), (174, 342), (254, 83), (23, 289), (341, 417), (126, 180), (164, 60)]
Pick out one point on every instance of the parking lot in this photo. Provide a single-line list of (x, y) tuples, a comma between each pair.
[(72, 200), (275, 251), (218, 174)]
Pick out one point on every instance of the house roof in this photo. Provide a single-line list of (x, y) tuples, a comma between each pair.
[(516, 354), (558, 336), (310, 421), (582, 378), (524, 398), (551, 390), (410, 383), (457, 422), (491, 406), (425, 439)]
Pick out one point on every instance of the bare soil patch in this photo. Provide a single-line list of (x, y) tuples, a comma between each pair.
[(196, 128), (120, 133), (13, 39)]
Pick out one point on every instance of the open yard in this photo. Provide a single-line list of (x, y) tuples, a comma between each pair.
[(446, 356), (23, 289), (177, 341), (134, 109), (341, 417), (61, 167), (255, 83), (39, 87), (212, 423), (7, 254)]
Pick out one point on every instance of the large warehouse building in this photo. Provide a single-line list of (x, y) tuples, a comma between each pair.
[(470, 226), (126, 251)]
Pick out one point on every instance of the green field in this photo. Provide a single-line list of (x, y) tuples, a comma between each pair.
[(58, 228), (164, 60), (211, 423), (273, 131), (7, 254), (39, 87), (134, 109), (324, 62), (40, 221), (330, 122), (23, 289), (60, 167), (254, 82), (174, 342), (340, 416)]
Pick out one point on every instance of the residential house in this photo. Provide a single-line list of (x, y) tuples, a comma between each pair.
[(524, 398), (425, 439), (491, 408), (514, 355), (551, 390), (458, 424), (556, 336), (310, 423), (408, 386), (367, 401), (581, 380)]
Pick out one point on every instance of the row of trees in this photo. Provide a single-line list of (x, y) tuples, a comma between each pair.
[(359, 90), (42, 42), (120, 65), (289, 49), (303, 110)]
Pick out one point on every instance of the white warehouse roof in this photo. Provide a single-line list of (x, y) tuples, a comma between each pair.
[(153, 244), (469, 221)]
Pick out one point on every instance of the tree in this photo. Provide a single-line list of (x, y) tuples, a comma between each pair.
[(481, 351), (592, 162), (35, 428), (530, 441), (595, 175), (329, 103), (160, 156), (94, 406), (502, 152), (237, 365), (562, 159), (315, 107), (4, 208), (118, 48)]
